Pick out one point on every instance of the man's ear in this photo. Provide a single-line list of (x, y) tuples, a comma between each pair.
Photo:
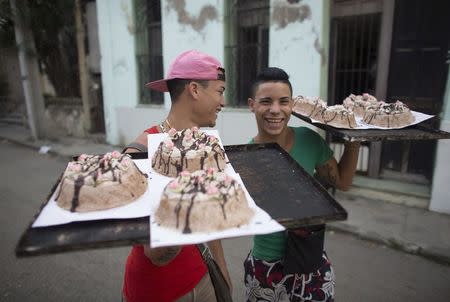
[(192, 88), (251, 104)]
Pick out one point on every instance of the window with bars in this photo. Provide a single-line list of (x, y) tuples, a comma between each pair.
[(248, 46), (354, 50), (149, 49)]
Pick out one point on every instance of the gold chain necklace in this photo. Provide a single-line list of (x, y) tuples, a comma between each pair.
[(163, 127)]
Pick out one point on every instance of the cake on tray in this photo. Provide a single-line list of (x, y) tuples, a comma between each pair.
[(389, 115), (359, 103), (189, 149), (339, 116), (95, 182), (203, 201), (309, 107)]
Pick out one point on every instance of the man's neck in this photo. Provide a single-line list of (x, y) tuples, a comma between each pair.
[(285, 139), (179, 119)]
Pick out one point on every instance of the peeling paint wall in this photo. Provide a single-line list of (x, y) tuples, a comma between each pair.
[(297, 43), (198, 25), (118, 63), (441, 177)]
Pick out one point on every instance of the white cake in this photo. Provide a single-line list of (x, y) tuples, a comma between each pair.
[(203, 201), (189, 149), (96, 182)]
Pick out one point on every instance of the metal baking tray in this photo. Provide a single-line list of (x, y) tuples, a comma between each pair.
[(276, 182), (415, 132)]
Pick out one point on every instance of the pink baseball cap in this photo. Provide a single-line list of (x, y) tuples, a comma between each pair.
[(191, 65)]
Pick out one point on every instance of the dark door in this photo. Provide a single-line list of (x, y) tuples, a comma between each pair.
[(417, 76)]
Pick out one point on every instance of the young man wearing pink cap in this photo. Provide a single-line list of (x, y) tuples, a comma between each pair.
[(196, 83)]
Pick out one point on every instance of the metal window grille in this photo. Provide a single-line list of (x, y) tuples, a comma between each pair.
[(354, 51), (149, 49), (248, 48)]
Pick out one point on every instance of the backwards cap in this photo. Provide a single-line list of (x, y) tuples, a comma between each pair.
[(191, 65)]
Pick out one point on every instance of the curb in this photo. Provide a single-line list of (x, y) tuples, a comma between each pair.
[(393, 243), (34, 147)]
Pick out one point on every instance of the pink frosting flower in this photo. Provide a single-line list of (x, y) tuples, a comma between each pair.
[(212, 139), (172, 131), (210, 171), (169, 144), (82, 157), (173, 184), (228, 179), (74, 167), (115, 154), (185, 173), (194, 129), (125, 162), (212, 190)]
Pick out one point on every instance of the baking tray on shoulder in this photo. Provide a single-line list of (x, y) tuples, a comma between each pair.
[(276, 182), (414, 132)]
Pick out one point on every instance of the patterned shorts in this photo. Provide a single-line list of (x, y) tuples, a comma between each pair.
[(264, 281)]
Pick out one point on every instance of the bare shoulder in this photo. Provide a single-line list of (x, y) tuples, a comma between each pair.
[(140, 140)]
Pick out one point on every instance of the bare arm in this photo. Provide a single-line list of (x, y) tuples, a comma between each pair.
[(158, 256), (341, 174), (217, 253), (141, 139)]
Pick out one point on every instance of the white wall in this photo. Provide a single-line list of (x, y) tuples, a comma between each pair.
[(198, 25), (183, 29), (118, 63), (297, 45), (440, 195)]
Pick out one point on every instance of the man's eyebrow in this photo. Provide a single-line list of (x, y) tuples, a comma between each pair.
[(266, 98)]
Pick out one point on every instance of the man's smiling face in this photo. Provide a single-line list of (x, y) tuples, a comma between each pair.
[(272, 105)]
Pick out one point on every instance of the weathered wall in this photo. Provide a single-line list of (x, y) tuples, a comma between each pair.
[(198, 25), (10, 73), (299, 43), (64, 120), (118, 63), (440, 196)]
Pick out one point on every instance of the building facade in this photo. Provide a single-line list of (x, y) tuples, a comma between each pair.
[(329, 48)]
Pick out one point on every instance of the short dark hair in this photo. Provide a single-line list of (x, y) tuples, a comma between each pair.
[(270, 74), (176, 86)]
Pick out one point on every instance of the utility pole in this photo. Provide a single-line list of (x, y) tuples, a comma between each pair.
[(82, 66), (29, 70)]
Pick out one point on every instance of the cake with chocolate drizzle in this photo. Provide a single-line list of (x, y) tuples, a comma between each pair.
[(339, 116), (189, 149), (203, 201), (389, 115), (359, 103), (309, 107), (95, 182)]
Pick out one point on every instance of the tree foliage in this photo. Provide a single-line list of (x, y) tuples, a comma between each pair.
[(53, 25)]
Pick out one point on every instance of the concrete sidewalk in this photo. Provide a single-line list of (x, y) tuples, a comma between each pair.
[(410, 229)]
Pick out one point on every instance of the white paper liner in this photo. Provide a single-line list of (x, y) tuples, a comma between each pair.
[(52, 214), (261, 223), (418, 118), (160, 236)]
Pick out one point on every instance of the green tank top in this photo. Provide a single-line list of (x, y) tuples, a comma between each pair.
[(309, 150)]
